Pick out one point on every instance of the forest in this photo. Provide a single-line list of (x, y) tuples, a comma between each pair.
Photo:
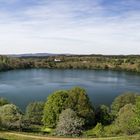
[(69, 113)]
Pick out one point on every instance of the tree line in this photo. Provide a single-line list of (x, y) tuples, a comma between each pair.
[(126, 63), (70, 113)]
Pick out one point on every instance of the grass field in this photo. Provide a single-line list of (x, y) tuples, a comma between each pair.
[(23, 136)]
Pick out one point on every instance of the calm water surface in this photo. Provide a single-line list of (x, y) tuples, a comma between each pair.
[(24, 86)]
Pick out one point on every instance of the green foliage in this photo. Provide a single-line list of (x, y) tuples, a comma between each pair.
[(76, 99), (121, 101), (103, 115), (127, 63), (34, 112), (79, 102), (97, 131), (70, 111), (47, 130), (137, 110), (10, 116), (3, 101), (112, 130), (56, 102), (126, 119), (69, 124)]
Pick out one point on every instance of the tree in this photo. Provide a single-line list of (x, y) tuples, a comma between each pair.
[(137, 110), (79, 102), (34, 112), (126, 119), (102, 115), (53, 107), (10, 116), (69, 124), (3, 101), (121, 101), (76, 99), (112, 130), (98, 130)]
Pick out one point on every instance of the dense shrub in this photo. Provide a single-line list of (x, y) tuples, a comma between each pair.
[(10, 116), (103, 115), (69, 124), (34, 112), (112, 130), (3, 101), (126, 120), (122, 100), (97, 131)]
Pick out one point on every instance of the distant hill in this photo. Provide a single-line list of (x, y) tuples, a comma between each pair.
[(36, 55), (53, 54)]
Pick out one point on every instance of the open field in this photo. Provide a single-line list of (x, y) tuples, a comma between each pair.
[(23, 136)]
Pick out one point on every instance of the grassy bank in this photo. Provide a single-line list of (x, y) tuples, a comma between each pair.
[(24, 136)]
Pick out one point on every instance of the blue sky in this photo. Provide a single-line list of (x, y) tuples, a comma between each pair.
[(70, 26)]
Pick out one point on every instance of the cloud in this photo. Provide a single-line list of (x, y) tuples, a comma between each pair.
[(63, 26)]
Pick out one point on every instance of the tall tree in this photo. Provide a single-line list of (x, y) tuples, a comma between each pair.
[(122, 100), (10, 116), (79, 102), (34, 112), (53, 107), (69, 124), (103, 115), (137, 110), (126, 119)]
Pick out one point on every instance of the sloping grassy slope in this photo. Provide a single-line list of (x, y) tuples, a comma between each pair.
[(20, 136)]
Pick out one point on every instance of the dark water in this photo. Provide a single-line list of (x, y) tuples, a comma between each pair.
[(24, 86)]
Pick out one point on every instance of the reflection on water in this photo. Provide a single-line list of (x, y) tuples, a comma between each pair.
[(24, 86)]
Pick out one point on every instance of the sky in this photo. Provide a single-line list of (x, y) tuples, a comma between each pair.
[(70, 26)]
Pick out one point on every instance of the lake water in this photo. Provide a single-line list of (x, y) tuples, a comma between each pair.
[(24, 86)]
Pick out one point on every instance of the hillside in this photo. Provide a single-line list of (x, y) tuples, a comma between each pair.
[(119, 63)]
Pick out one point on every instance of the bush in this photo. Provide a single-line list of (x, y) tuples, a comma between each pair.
[(34, 113), (121, 101), (10, 116), (112, 130), (102, 115), (137, 110), (126, 120), (69, 124), (97, 131), (3, 101), (47, 130)]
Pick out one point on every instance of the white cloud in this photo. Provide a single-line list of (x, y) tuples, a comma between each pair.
[(65, 27)]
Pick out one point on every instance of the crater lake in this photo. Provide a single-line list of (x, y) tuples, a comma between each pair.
[(24, 86)]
